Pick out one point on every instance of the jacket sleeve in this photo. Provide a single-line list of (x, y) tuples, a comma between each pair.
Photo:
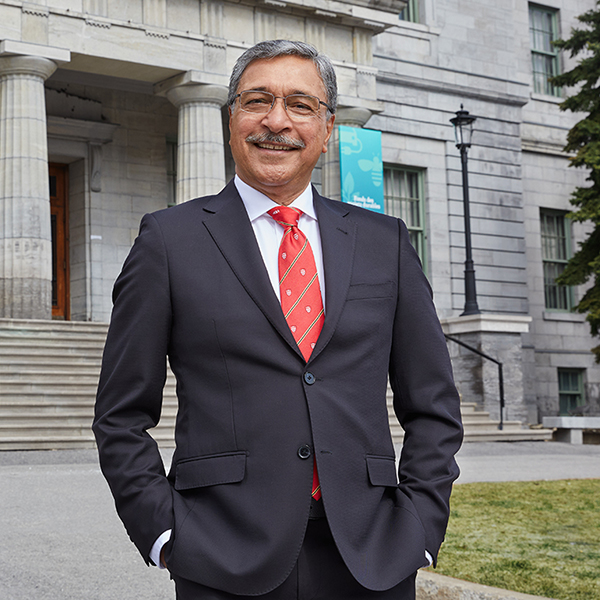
[(129, 397), (426, 401)]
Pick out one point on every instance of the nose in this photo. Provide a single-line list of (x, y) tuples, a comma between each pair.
[(277, 119)]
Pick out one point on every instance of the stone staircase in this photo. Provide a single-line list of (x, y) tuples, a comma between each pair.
[(479, 427), (48, 377)]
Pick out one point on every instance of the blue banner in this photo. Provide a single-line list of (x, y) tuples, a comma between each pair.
[(361, 167)]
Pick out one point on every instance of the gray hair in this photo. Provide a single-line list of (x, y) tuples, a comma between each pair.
[(275, 48)]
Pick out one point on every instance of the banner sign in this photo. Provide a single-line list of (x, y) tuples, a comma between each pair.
[(361, 168)]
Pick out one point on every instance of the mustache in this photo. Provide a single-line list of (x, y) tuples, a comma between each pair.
[(275, 138)]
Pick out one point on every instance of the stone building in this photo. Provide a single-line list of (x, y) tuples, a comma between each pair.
[(120, 105)]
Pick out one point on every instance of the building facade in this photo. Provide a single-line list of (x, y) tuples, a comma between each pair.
[(120, 106)]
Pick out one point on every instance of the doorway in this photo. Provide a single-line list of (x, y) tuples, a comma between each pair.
[(59, 212)]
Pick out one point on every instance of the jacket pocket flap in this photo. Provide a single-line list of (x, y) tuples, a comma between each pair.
[(382, 470), (210, 470), (371, 290)]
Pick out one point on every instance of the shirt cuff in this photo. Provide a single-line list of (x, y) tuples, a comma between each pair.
[(429, 559), (162, 539)]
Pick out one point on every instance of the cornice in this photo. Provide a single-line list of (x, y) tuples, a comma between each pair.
[(463, 91)]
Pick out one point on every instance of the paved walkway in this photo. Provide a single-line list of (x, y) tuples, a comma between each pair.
[(61, 539)]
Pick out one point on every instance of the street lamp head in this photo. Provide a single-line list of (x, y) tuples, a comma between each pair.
[(463, 128)]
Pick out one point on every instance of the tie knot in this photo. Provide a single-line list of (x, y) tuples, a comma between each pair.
[(286, 215)]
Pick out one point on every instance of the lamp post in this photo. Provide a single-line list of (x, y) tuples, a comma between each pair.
[(463, 131)]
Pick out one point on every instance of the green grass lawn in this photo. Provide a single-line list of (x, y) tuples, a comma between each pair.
[(540, 538)]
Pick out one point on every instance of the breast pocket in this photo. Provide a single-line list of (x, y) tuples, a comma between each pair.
[(363, 291)]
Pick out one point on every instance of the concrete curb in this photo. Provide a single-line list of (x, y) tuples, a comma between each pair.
[(432, 586)]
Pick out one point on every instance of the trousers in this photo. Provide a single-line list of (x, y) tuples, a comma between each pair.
[(319, 574)]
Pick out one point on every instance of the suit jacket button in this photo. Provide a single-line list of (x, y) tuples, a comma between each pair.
[(309, 378), (304, 452)]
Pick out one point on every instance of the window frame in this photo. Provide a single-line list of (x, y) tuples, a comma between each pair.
[(400, 210), (565, 396), (557, 263), (411, 12), (546, 89)]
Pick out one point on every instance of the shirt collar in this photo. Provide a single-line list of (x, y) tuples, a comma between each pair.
[(257, 204)]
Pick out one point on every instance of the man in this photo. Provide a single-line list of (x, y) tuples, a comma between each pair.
[(282, 313)]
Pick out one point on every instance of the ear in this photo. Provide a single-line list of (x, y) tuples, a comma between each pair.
[(329, 130)]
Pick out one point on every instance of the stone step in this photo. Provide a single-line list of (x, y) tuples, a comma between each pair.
[(55, 350), (48, 389), (478, 424), (50, 353), (467, 408), (33, 325), (20, 427), (164, 438), (492, 434), (44, 377), (18, 412), (49, 378), (58, 396), (495, 435), (474, 416), (49, 361)]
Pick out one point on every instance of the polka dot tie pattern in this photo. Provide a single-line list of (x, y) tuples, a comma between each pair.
[(300, 293)]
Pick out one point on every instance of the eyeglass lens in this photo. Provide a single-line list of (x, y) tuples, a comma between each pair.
[(298, 105)]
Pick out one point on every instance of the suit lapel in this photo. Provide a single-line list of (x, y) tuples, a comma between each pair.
[(338, 239), (228, 224)]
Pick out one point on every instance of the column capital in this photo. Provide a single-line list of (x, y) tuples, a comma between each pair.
[(27, 65), (353, 116), (198, 92)]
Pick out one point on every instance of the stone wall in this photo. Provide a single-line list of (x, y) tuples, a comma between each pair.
[(132, 181)]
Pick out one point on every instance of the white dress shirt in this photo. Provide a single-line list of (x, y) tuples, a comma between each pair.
[(269, 233)]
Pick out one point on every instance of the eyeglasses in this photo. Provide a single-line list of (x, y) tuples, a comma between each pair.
[(298, 106)]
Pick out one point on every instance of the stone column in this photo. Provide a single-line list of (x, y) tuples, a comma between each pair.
[(330, 174), (25, 234), (200, 151)]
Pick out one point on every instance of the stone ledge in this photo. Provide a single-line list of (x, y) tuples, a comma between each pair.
[(17, 48), (488, 323), (584, 422), (432, 586), (570, 429)]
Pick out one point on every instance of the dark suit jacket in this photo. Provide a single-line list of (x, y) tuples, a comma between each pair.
[(194, 288)]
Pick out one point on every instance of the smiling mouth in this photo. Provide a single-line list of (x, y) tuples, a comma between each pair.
[(271, 141), (271, 147)]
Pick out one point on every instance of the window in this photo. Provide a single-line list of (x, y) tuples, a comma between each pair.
[(556, 251), (403, 190), (171, 171), (570, 390), (411, 12), (543, 29)]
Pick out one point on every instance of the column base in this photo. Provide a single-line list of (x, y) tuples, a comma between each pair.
[(25, 298), (477, 379)]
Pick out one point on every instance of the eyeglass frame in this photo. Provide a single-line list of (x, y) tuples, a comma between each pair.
[(284, 98)]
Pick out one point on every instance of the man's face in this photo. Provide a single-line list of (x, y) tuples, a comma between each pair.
[(281, 170)]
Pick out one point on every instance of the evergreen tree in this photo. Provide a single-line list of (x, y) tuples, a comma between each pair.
[(583, 141)]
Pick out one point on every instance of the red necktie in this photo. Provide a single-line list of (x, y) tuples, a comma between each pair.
[(300, 293)]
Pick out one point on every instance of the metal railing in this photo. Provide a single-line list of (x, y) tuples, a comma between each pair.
[(500, 373)]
